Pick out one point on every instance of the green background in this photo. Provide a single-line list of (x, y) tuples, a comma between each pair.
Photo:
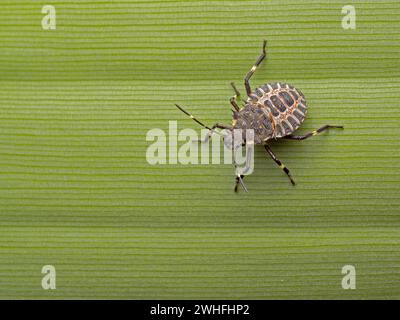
[(77, 192)]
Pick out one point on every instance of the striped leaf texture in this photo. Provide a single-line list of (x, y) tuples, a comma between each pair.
[(78, 193)]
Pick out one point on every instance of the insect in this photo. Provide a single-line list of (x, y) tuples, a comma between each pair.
[(274, 110)]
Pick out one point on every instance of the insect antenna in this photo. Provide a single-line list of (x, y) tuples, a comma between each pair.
[(191, 116)]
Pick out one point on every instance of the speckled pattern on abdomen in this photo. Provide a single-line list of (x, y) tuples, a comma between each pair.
[(285, 106)]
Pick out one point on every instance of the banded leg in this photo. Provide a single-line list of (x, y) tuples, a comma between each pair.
[(253, 69), (233, 100), (279, 163), (239, 180), (248, 165), (311, 134)]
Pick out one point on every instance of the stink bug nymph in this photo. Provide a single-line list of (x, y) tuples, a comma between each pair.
[(274, 110)]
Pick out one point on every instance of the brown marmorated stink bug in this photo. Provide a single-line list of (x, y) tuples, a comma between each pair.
[(272, 111)]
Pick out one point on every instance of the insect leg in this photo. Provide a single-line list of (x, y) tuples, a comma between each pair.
[(311, 134), (239, 180), (233, 100), (247, 169), (253, 69), (279, 163), (237, 93)]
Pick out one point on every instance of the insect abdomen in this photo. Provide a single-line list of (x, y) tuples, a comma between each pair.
[(286, 105)]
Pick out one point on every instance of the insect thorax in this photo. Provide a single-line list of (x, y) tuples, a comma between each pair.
[(251, 116)]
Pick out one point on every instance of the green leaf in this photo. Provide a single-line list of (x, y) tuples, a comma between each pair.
[(77, 192)]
